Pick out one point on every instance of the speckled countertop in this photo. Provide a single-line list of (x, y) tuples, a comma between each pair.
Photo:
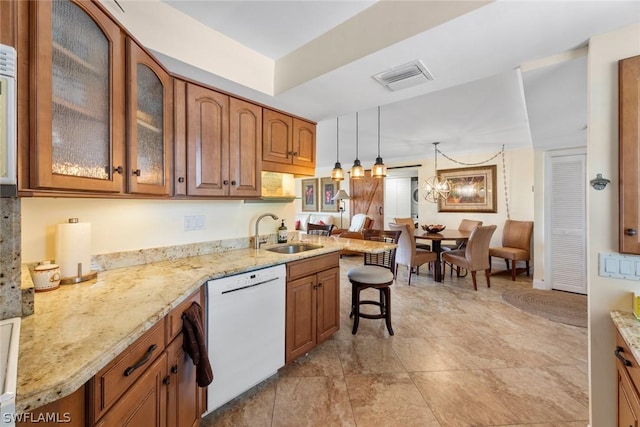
[(78, 329), (629, 328)]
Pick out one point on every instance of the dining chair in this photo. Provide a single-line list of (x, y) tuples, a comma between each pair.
[(475, 256), (412, 224), (377, 273), (407, 253), (516, 244), (320, 230), (465, 225)]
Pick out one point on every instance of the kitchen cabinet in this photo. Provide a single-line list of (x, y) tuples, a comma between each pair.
[(149, 124), (220, 154), (288, 144), (77, 122), (312, 303), (629, 152), (628, 372)]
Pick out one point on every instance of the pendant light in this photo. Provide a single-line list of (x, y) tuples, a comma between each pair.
[(357, 171), (379, 170), (337, 174), (436, 188)]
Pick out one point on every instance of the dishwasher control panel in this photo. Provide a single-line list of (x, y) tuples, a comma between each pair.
[(247, 279)]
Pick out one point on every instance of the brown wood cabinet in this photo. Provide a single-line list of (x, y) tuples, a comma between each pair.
[(222, 147), (629, 152), (313, 303), (628, 372), (148, 384), (288, 144)]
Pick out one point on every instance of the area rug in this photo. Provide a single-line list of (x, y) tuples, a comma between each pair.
[(558, 306)]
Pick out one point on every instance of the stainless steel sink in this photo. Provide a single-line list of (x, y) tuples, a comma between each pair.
[(293, 249)]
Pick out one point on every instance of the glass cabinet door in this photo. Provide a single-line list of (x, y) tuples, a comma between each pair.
[(79, 93), (149, 123)]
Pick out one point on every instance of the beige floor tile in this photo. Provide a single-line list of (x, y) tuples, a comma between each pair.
[(312, 401), (425, 354), (368, 356), (388, 400), (322, 361)]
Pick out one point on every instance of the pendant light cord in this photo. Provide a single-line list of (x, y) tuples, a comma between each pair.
[(357, 135), (378, 131), (337, 139)]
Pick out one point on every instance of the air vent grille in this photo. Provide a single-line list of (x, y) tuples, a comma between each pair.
[(7, 61), (411, 74)]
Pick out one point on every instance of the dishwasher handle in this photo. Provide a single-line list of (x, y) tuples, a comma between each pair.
[(241, 288)]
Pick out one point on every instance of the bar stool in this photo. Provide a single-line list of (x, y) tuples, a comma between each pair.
[(378, 273)]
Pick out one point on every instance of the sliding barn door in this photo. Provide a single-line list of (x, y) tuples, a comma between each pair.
[(566, 243), (367, 197)]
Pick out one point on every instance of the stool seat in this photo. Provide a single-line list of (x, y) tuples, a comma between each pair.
[(370, 275)]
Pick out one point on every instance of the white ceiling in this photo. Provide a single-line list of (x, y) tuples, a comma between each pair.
[(480, 99)]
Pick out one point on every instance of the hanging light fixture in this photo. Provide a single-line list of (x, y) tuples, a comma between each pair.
[(356, 170), (337, 174), (379, 170), (436, 188)]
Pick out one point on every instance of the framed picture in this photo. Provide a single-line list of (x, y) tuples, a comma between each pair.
[(472, 190), (310, 195), (328, 189)]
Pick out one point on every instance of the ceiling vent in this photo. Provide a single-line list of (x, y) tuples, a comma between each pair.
[(412, 74)]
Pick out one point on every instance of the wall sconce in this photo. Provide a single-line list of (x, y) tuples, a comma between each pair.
[(599, 183)]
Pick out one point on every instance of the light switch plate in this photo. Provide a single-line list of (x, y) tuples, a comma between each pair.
[(193, 222), (619, 266)]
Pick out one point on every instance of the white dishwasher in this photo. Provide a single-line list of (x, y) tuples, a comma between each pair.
[(245, 331)]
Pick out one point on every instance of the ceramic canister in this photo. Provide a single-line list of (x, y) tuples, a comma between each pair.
[(46, 276)]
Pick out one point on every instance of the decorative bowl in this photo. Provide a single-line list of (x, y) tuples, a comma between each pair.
[(433, 228)]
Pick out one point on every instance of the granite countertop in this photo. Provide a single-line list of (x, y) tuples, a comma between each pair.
[(78, 329), (629, 328)]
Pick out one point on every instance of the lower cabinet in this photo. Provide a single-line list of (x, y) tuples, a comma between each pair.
[(628, 372), (151, 383), (313, 303)]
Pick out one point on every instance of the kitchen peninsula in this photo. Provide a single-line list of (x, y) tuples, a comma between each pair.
[(78, 329)]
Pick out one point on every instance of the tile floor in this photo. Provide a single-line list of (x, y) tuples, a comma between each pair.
[(458, 358)]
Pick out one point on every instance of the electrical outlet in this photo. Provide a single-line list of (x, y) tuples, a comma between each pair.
[(193, 222)]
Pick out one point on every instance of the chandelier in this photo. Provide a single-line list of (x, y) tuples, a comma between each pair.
[(436, 188)]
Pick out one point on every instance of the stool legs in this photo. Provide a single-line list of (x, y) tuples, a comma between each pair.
[(384, 303)]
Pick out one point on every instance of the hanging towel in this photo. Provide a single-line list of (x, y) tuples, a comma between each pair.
[(195, 343)]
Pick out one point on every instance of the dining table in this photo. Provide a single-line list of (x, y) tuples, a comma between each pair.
[(436, 244)]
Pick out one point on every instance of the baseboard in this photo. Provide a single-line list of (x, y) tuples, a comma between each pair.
[(540, 284)]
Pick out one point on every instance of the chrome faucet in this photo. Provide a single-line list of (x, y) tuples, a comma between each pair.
[(256, 239)]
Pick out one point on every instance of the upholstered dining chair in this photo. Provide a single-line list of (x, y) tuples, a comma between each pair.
[(378, 273), (412, 224), (516, 243), (475, 256), (407, 253), (319, 230), (465, 225)]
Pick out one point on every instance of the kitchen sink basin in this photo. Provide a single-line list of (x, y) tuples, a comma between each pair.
[(293, 249)]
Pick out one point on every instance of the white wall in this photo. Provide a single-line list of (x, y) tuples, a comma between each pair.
[(123, 225), (605, 294)]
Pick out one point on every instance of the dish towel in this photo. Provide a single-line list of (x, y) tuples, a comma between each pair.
[(195, 343)]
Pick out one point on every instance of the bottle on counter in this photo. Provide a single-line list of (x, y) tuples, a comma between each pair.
[(282, 233)]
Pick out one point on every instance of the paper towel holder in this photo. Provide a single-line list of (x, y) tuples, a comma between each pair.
[(81, 275)]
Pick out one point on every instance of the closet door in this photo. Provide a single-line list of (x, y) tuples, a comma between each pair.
[(565, 221)]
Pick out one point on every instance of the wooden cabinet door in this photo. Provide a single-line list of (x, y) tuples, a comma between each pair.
[(77, 122), (301, 324), (629, 107), (367, 197), (144, 404), (183, 403), (149, 123), (245, 149), (277, 140), (328, 296), (304, 144), (207, 142)]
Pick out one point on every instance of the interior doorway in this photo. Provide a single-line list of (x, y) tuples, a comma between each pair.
[(401, 194), (565, 220)]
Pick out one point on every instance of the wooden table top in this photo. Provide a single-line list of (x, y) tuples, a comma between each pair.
[(443, 235)]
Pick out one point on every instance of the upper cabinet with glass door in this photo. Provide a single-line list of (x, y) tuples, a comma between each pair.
[(149, 131), (79, 96)]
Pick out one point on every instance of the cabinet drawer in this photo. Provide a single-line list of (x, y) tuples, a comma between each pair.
[(115, 378), (305, 267), (634, 370), (174, 318)]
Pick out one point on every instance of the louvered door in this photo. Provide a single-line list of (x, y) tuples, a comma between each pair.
[(566, 222)]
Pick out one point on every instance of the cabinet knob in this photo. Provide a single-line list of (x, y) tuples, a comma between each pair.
[(174, 369), (181, 179), (295, 153), (319, 285), (630, 231), (119, 170), (315, 287), (166, 380), (136, 172), (233, 183), (225, 182)]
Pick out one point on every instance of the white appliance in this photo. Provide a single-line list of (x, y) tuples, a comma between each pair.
[(9, 340), (8, 175), (245, 331)]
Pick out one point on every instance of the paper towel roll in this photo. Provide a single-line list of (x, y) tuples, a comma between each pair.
[(73, 247)]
